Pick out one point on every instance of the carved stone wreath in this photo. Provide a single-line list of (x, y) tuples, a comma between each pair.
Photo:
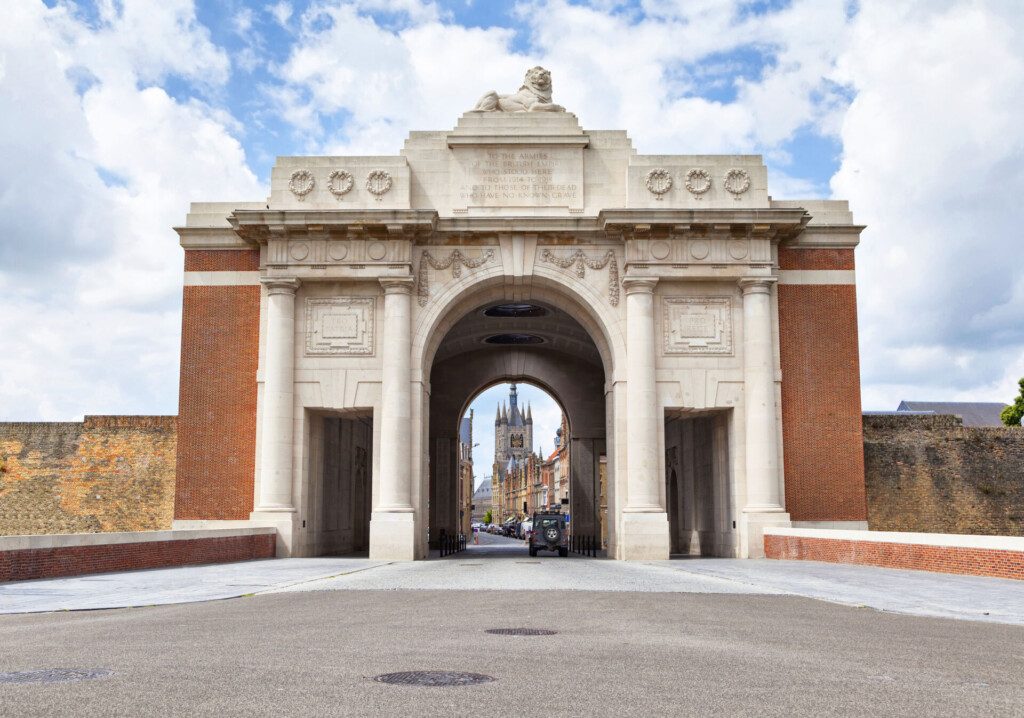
[(582, 262), (456, 260), (737, 182), (340, 182), (698, 181), (378, 182), (658, 181), (301, 183)]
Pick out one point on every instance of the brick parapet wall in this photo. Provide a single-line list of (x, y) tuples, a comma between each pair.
[(929, 473), (74, 560), (107, 473), (967, 560), (823, 455), (217, 395)]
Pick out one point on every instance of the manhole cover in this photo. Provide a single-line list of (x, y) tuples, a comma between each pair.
[(521, 631), (54, 675), (433, 678)]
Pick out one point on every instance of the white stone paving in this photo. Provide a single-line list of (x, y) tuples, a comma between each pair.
[(491, 568)]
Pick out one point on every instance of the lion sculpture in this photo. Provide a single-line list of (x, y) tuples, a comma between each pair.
[(533, 96)]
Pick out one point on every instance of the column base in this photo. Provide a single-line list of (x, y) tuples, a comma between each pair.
[(755, 520), (644, 537), (392, 536), (284, 521)]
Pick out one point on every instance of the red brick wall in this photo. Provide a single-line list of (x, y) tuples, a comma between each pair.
[(821, 415), (222, 260), (792, 258), (943, 559), (217, 400), (76, 560)]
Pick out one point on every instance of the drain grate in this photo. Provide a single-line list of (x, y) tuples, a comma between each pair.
[(54, 675), (433, 678), (521, 631)]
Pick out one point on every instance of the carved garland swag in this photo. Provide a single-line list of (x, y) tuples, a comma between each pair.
[(456, 260), (582, 262)]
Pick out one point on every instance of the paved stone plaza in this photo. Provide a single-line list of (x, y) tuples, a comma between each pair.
[(723, 649), (695, 636)]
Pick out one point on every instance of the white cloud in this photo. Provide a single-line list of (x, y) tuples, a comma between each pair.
[(281, 12), (610, 68), (99, 164), (933, 163)]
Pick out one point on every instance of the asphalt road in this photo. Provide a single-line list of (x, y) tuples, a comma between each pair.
[(621, 653)]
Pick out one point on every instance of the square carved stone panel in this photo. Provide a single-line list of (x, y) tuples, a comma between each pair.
[(339, 326), (698, 325)]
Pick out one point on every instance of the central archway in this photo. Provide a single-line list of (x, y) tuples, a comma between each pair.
[(490, 337)]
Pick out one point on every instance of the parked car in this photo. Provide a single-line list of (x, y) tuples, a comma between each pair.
[(550, 534)]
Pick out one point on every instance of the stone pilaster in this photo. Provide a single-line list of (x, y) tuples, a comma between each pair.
[(274, 504), (644, 521), (763, 502), (392, 524)]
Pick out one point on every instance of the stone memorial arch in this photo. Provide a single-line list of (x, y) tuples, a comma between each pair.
[(700, 335)]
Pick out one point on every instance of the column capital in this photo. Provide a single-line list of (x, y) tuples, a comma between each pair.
[(639, 285), (280, 285), (757, 285), (396, 285)]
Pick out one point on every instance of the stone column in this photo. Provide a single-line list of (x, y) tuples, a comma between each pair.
[(763, 505), (392, 532), (274, 503), (644, 521)]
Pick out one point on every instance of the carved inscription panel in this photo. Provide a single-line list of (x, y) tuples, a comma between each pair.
[(517, 176), (698, 325), (339, 326)]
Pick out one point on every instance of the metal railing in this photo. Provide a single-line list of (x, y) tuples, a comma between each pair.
[(585, 545), (452, 543)]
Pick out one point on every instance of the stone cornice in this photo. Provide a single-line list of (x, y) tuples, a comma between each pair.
[(785, 225)]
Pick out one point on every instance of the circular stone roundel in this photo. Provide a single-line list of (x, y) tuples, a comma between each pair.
[(698, 181), (337, 250), (340, 182), (699, 249), (301, 183), (737, 248), (659, 250), (299, 251), (658, 181), (376, 250)]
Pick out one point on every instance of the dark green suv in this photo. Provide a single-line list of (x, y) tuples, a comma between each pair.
[(549, 533)]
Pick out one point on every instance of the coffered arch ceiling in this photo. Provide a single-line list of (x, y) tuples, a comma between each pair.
[(560, 357)]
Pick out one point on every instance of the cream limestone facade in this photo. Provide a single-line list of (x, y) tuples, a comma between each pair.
[(657, 278)]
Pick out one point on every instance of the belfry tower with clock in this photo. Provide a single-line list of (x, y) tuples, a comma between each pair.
[(513, 432)]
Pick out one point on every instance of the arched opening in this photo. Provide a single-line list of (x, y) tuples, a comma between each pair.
[(516, 436), (497, 343)]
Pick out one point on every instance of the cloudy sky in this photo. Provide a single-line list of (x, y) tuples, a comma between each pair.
[(114, 115)]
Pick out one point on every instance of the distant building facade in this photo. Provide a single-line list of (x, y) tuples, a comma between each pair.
[(466, 472), (482, 501)]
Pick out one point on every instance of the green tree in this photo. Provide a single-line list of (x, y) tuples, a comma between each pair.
[(488, 517), (1012, 414)]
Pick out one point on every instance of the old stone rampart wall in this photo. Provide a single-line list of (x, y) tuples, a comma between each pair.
[(929, 473), (107, 473)]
